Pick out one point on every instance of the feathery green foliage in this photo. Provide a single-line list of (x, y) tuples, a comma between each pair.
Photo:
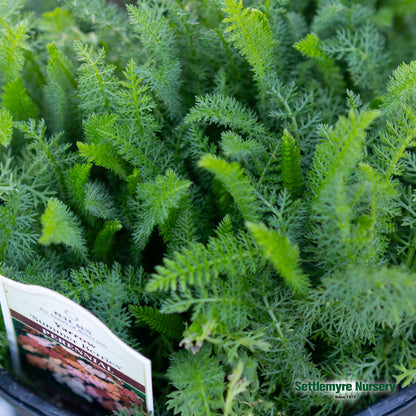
[(283, 255), (249, 31), (102, 290), (155, 201), (169, 325), (105, 155), (229, 184), (12, 46), (334, 206), (17, 226), (227, 112), (105, 239), (96, 82), (291, 165), (59, 225), (310, 47), (162, 71), (76, 179), (61, 81), (15, 98), (232, 176), (392, 285), (398, 133), (6, 127), (202, 378), (340, 152)]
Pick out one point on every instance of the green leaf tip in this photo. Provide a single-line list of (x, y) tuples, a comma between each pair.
[(60, 225), (283, 255), (6, 127), (235, 181), (291, 165)]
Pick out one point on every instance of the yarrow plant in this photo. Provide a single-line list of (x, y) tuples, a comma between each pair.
[(229, 185)]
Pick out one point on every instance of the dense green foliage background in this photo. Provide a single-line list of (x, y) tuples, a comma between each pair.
[(228, 185)]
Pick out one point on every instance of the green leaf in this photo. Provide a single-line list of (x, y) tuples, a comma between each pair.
[(156, 201), (341, 150), (12, 46), (233, 177), (16, 99), (190, 266), (310, 47), (228, 112), (105, 239), (98, 202), (6, 127), (104, 154), (398, 133), (291, 165), (197, 265), (199, 383), (233, 146), (170, 325), (154, 30), (401, 88), (249, 31), (407, 376), (60, 225), (56, 21), (284, 256), (97, 84), (77, 178)]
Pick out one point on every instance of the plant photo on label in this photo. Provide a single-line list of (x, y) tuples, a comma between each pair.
[(229, 185)]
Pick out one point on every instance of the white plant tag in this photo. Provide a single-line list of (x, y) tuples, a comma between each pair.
[(62, 342)]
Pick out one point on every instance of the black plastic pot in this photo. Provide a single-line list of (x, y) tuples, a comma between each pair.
[(401, 403), (26, 403)]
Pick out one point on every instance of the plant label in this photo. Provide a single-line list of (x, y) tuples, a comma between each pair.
[(67, 349)]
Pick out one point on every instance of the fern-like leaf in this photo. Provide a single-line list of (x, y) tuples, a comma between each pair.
[(310, 46), (103, 291), (249, 31), (406, 376), (76, 179), (233, 177), (190, 266), (200, 266), (400, 129), (98, 202), (338, 229), (105, 239), (353, 303), (291, 165), (105, 155), (233, 146), (339, 153), (169, 325), (163, 70), (401, 88), (157, 199), (59, 225), (284, 256), (96, 83), (18, 234), (199, 380), (12, 46), (6, 127), (229, 113), (362, 49), (59, 90), (154, 30), (16, 99)]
